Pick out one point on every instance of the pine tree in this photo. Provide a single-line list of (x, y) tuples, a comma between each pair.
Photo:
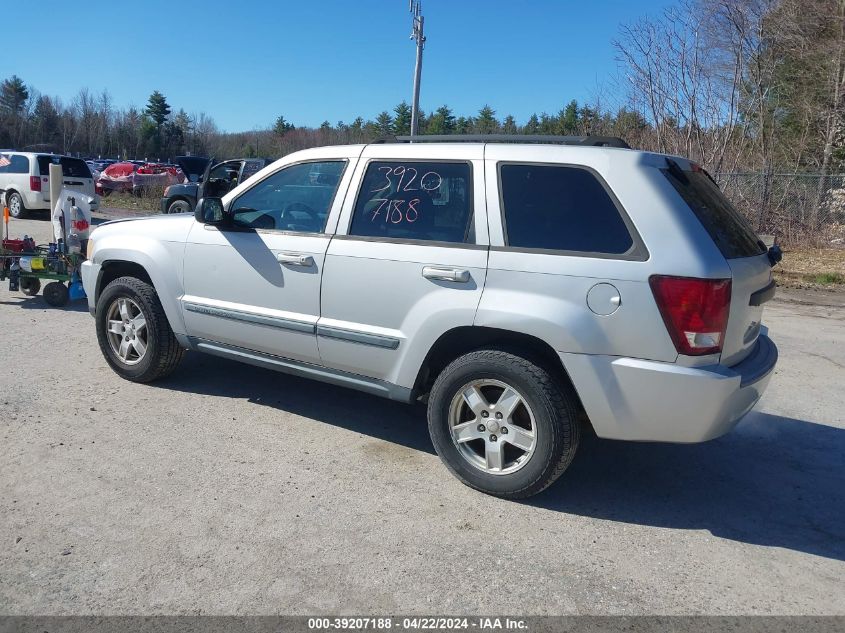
[(442, 121), (13, 95), (509, 125), (384, 124), (157, 108), (281, 127), (533, 125), (486, 122), (402, 121), (568, 118)]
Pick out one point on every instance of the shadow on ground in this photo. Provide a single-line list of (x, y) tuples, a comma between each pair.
[(37, 303), (774, 481)]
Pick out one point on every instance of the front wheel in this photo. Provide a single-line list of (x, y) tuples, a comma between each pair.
[(502, 424), (133, 332), (30, 286)]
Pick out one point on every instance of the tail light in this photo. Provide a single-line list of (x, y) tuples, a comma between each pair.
[(695, 311), (35, 183)]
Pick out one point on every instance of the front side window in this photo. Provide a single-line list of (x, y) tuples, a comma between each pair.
[(560, 208), (296, 198), (415, 200)]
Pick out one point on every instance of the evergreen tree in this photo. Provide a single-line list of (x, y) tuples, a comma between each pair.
[(548, 125), (463, 125), (442, 121), (157, 108), (486, 122), (384, 124), (533, 125), (281, 127), (509, 125), (568, 119), (13, 95), (402, 120), (45, 121)]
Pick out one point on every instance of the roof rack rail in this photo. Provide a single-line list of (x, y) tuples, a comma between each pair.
[(584, 141)]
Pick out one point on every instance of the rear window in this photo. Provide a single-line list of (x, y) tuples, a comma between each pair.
[(560, 208), (731, 233), (71, 167)]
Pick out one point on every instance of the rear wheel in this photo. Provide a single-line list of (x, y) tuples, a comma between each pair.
[(133, 332), (502, 424), (16, 206), (56, 294)]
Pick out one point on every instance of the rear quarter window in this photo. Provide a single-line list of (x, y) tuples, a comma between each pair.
[(560, 208), (17, 165), (71, 167), (726, 226)]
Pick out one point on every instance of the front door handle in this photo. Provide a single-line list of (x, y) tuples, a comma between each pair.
[(296, 259), (445, 274)]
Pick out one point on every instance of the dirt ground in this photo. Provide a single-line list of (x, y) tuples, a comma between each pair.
[(228, 489)]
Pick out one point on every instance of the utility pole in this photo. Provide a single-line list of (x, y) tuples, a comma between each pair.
[(419, 37)]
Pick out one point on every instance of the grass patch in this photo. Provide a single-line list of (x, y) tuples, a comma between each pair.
[(148, 202), (829, 278)]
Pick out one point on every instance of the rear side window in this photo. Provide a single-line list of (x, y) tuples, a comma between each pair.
[(731, 233), (17, 165), (71, 167), (560, 208), (416, 201)]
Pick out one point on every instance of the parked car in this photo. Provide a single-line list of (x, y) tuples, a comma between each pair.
[(128, 177), (27, 183), (523, 290), (222, 178)]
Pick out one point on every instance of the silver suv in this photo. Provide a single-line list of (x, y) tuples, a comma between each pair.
[(526, 290)]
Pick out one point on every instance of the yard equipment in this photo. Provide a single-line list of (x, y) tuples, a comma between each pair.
[(26, 264)]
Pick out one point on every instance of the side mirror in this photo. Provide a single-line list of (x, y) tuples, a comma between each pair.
[(210, 211)]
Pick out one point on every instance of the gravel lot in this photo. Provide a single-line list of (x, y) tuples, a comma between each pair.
[(228, 489)]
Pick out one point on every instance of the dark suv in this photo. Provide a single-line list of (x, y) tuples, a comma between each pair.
[(209, 179)]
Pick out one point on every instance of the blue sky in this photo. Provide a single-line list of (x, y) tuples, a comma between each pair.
[(244, 63)]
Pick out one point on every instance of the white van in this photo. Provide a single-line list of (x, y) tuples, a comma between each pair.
[(26, 180)]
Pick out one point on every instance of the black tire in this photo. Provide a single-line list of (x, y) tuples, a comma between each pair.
[(179, 205), (56, 294), (163, 351), (17, 209), (30, 286), (555, 414)]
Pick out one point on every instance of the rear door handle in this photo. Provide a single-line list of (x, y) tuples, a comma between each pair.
[(295, 259), (445, 274)]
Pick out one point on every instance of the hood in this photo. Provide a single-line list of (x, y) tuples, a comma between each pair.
[(193, 166), (158, 228)]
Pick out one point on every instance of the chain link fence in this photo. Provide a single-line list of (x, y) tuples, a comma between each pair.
[(800, 209)]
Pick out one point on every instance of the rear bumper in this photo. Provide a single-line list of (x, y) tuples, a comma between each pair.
[(632, 399)]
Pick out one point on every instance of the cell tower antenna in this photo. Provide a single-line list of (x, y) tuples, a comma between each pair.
[(418, 35)]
